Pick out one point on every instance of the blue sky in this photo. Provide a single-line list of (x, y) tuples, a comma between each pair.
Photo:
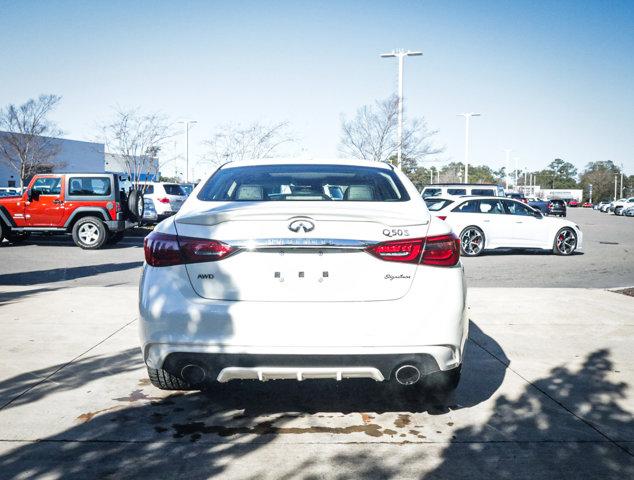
[(552, 79)]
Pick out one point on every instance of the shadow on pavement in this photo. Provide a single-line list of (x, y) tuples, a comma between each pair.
[(198, 435), (62, 274), (11, 297), (33, 386)]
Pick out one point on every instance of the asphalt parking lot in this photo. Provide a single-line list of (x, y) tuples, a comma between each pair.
[(546, 389), (606, 261)]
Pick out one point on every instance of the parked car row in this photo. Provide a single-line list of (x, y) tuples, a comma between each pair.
[(622, 206)]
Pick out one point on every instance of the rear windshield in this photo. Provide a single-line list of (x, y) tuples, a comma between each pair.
[(174, 189), (435, 204), (262, 183)]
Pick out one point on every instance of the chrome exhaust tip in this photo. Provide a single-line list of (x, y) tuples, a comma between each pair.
[(407, 374), (193, 374)]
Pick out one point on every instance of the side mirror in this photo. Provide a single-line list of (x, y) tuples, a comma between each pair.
[(29, 195)]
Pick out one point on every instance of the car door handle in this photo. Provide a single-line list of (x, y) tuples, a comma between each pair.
[(58, 202), (519, 222), (486, 221)]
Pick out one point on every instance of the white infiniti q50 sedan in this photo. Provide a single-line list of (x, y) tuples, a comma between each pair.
[(486, 223), (299, 270)]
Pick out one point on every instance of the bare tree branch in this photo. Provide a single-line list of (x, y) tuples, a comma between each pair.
[(26, 145), (254, 141), (371, 134), (136, 139)]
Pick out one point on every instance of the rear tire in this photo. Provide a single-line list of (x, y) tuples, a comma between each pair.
[(166, 381), (90, 233), (471, 241), (3, 231), (618, 210), (443, 382), (115, 237), (565, 242)]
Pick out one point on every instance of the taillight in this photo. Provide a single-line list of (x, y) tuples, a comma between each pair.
[(398, 251), (442, 250), (117, 207), (163, 250), (163, 200), (442, 217)]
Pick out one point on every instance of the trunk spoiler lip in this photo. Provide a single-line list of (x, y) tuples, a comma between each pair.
[(224, 214)]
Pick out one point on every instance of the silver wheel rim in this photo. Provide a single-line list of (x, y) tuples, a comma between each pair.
[(566, 242), (88, 233), (472, 241)]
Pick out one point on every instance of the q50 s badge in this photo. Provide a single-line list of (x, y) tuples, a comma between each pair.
[(396, 232)]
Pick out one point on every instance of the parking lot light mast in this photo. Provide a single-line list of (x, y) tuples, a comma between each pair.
[(467, 116), (400, 54), (616, 182), (507, 165), (187, 124)]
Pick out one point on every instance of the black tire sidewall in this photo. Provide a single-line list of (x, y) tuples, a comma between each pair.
[(135, 205), (556, 250), (462, 252), (103, 233)]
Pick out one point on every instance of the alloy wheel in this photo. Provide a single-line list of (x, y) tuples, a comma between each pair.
[(566, 242), (472, 241), (88, 233)]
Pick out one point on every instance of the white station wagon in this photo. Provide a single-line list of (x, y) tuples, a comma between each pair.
[(486, 223), (303, 270)]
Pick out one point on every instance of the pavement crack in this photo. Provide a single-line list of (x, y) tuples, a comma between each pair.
[(53, 373)]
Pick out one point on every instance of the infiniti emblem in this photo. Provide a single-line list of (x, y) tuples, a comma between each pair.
[(301, 224)]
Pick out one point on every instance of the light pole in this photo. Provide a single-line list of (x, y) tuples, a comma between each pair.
[(187, 124), (467, 116), (507, 165), (621, 190), (400, 54)]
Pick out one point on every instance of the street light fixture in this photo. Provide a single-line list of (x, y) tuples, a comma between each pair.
[(187, 124), (467, 116), (400, 54)]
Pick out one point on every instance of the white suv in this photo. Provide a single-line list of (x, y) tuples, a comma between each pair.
[(166, 197), (264, 275), (460, 189)]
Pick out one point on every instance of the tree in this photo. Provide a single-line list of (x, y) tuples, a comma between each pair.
[(558, 174), (371, 134), (419, 176), (601, 176), (26, 145), (136, 139), (254, 141)]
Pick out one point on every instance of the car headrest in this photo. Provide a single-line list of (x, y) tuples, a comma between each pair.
[(75, 185), (359, 193), (250, 192), (485, 207)]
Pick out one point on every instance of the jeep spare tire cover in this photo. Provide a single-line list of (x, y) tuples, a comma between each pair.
[(135, 205)]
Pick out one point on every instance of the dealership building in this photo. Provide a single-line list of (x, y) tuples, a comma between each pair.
[(75, 156), (551, 193)]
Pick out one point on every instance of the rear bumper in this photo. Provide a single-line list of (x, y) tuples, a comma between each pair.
[(224, 367), (427, 325), (120, 225)]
